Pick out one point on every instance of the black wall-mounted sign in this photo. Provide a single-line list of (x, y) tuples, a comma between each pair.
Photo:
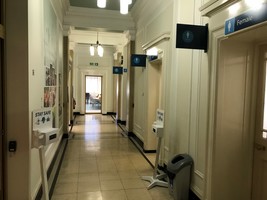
[(117, 70), (192, 36), (138, 60)]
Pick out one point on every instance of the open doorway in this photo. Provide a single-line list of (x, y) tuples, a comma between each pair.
[(93, 94)]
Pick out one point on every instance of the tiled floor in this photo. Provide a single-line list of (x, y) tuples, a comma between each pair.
[(93, 108), (101, 164)]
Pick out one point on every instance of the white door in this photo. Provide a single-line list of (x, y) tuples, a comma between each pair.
[(259, 188)]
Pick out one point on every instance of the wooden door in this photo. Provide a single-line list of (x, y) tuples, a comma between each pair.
[(259, 186), (232, 160), (1, 120), (1, 99)]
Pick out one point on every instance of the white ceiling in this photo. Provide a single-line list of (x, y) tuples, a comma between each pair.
[(111, 4), (84, 21)]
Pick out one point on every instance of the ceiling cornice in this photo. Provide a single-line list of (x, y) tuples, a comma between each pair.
[(97, 18), (82, 24)]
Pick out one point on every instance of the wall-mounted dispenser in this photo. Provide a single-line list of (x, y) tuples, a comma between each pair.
[(42, 132)]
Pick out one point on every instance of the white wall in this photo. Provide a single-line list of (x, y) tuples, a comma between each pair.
[(185, 78), (82, 67), (25, 81), (37, 83)]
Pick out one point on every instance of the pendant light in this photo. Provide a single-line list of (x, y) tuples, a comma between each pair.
[(101, 3), (124, 6), (98, 47), (92, 50)]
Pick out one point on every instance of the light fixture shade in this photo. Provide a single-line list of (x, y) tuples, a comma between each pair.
[(101, 3), (124, 6), (130, 2), (92, 50), (100, 50)]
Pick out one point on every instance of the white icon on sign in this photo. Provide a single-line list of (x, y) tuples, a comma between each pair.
[(187, 35), (229, 26)]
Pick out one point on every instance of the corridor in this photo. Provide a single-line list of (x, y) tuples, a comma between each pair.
[(100, 163)]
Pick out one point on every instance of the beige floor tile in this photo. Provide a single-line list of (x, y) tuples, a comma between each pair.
[(106, 165), (69, 167), (138, 194), (88, 177), (101, 164), (86, 154), (89, 186), (67, 178), (111, 185), (88, 167), (160, 193), (90, 196), (65, 197), (114, 195), (109, 175), (133, 183), (65, 188), (128, 174)]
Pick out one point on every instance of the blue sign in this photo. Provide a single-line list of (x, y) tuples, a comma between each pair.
[(229, 26), (245, 20)]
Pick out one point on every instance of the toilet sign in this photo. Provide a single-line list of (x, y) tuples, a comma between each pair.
[(245, 20)]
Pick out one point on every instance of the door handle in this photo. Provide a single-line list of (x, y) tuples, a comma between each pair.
[(260, 147)]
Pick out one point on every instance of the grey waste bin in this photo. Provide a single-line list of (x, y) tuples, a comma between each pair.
[(179, 171)]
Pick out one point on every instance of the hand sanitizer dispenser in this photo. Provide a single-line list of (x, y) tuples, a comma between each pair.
[(157, 126), (42, 135)]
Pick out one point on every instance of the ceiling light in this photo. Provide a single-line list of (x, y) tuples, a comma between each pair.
[(234, 8), (255, 4), (152, 52), (98, 47), (101, 3), (92, 50), (124, 6), (130, 2), (100, 50)]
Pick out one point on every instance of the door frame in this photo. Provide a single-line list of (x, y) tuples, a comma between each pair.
[(2, 111), (217, 36), (259, 113), (101, 94), (2, 107)]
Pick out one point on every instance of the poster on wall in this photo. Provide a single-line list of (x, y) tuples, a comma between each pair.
[(50, 36), (60, 104), (51, 51), (49, 96), (50, 76)]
